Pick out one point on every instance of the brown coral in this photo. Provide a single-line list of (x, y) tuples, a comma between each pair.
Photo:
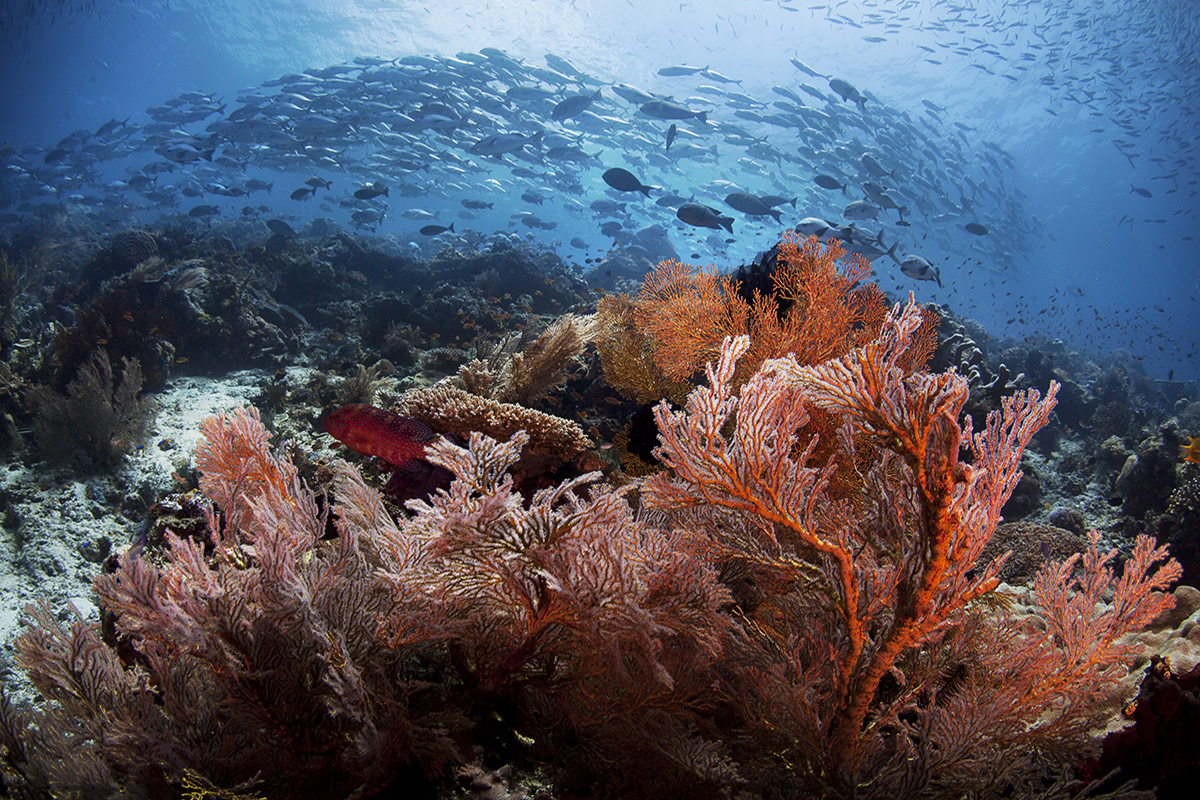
[(557, 447)]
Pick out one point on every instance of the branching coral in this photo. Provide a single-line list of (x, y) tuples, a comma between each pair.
[(813, 311), (275, 659), (99, 415), (855, 593)]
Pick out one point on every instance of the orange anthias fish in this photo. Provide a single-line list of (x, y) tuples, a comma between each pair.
[(378, 432), (1191, 451)]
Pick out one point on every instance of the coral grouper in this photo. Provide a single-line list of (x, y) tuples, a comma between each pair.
[(378, 432), (400, 441)]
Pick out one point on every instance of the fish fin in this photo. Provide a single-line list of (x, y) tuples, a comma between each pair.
[(703, 117), (726, 223), (451, 228), (892, 250)]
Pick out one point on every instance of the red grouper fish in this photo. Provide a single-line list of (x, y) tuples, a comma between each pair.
[(378, 432)]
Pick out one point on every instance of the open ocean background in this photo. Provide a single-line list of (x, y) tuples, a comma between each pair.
[(1089, 98)]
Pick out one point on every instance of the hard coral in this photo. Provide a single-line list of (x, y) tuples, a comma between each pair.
[(126, 249), (558, 448)]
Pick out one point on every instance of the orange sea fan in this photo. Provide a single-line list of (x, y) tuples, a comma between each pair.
[(686, 312), (820, 306), (815, 311)]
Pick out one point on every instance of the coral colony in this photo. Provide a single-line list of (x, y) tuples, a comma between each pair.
[(785, 593)]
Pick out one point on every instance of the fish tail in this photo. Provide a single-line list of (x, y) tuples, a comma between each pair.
[(702, 116)]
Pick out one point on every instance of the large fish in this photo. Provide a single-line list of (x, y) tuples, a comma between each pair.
[(181, 152), (669, 109), (625, 181), (848, 92), (718, 77), (632, 94), (680, 71), (879, 197), (829, 182), (750, 205), (814, 226), (574, 105), (853, 240), (873, 166), (400, 441), (860, 210), (805, 68), (702, 216), (918, 268), (560, 64), (775, 200), (500, 143), (370, 192)]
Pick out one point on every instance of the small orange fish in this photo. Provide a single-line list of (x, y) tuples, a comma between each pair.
[(1191, 451)]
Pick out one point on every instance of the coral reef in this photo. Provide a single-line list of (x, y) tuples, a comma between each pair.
[(753, 623), (1030, 544), (813, 311), (799, 603)]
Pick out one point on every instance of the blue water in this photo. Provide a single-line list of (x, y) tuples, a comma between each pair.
[(1089, 99)]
